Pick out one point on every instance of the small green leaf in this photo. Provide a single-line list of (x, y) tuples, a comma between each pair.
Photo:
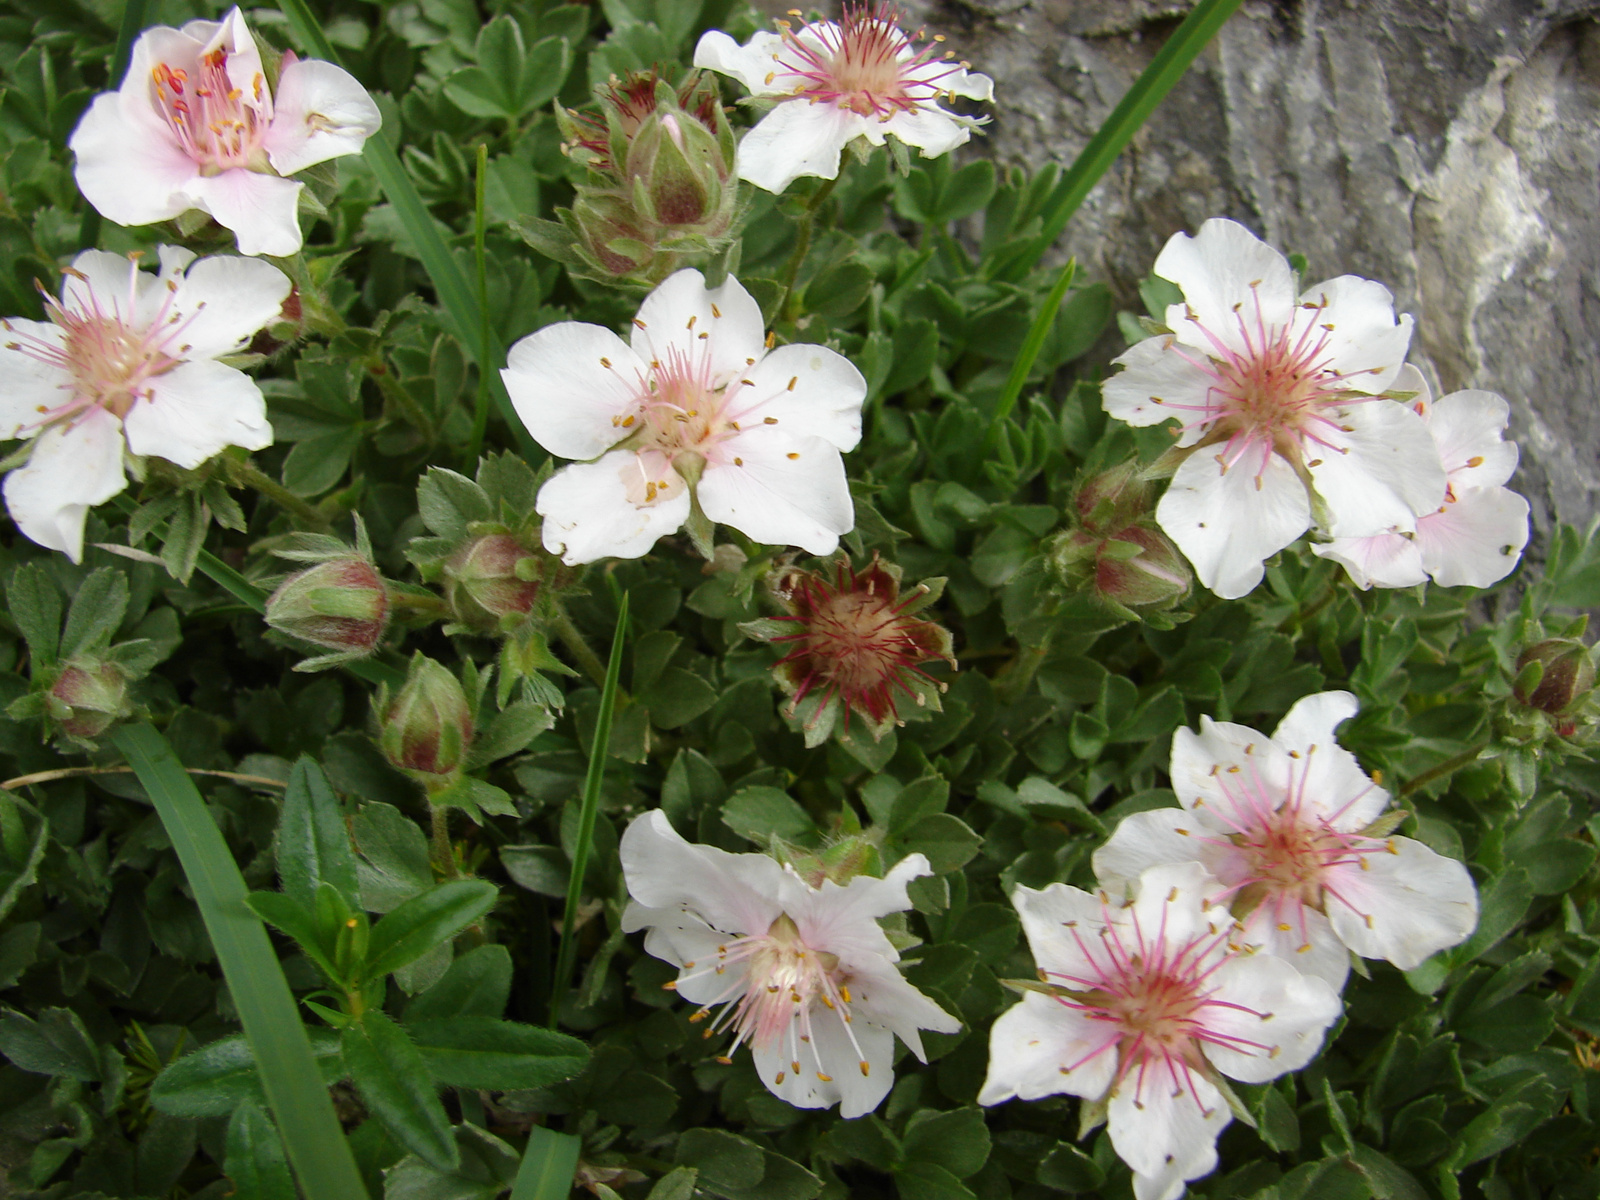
[(256, 1165), (35, 605), (56, 1044), (922, 1180), (97, 609), (424, 921), (216, 1079), (477, 984), (313, 844), (394, 1082), (483, 1052), (393, 866), (958, 1141), (759, 814), (946, 840), (299, 921)]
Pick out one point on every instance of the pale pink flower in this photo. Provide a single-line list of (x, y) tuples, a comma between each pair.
[(860, 77), (195, 126), (126, 366), (1477, 533), (694, 407), (1279, 398), (1281, 824), (1144, 1005), (804, 974)]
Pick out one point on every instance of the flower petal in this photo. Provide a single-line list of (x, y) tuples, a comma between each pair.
[(196, 410), (845, 917), (927, 127), (1149, 839), (72, 469), (29, 387), (1166, 1130), (221, 302), (882, 994), (1389, 560), (129, 165), (1157, 383), (686, 320), (1230, 280), (262, 210), (1353, 318), (1274, 1016), (1227, 522), (855, 1093), (1301, 936), (797, 138), (780, 490), (322, 113), (1222, 750), (1469, 427), (1379, 471), (573, 384), (1325, 776), (808, 390), (1043, 1048), (1406, 904), (733, 893), (750, 64), (1476, 540), (1047, 917), (590, 511)]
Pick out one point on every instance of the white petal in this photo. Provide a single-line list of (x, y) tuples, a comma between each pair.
[(1166, 1138), (1407, 904), (1300, 935), (780, 490), (680, 937), (1323, 774), (799, 138), (196, 410), (809, 390), (1380, 471), (1361, 340), (1043, 1048), (719, 326), (734, 893), (750, 64), (844, 918), (971, 84), (243, 62), (1468, 428), (29, 387), (589, 511), (1149, 839), (569, 398), (1262, 999), (262, 210), (1227, 523), (1476, 540), (322, 113), (1171, 899), (1389, 560), (1048, 916), (880, 993), (221, 302), (855, 1093), (1158, 382), (129, 164), (927, 127), (1221, 751), (1230, 280), (72, 469)]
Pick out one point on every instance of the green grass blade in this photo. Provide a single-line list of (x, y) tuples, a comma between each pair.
[(591, 804), (1168, 66), (455, 293), (322, 1160), (548, 1166), (1031, 345), (480, 411)]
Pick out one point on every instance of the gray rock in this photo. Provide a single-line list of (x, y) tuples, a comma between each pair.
[(1449, 148)]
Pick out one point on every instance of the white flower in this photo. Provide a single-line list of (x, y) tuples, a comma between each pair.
[(805, 975), (1477, 533), (1277, 395), (1279, 823), (694, 403), (194, 125), (126, 364), (836, 81), (1143, 1004)]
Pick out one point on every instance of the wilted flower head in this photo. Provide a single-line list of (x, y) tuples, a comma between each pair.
[(1293, 831), (804, 974), (854, 647), (196, 126), (1280, 405), (694, 408), (1143, 1007), (126, 365), (860, 77)]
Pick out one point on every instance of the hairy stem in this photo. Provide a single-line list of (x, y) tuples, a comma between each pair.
[(1448, 767), (249, 475), (802, 247)]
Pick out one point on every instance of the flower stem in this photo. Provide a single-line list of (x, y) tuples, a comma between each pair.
[(480, 411), (248, 475), (573, 640), (1448, 767), (395, 393), (444, 854), (802, 247)]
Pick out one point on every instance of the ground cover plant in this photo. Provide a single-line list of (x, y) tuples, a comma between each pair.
[(586, 609)]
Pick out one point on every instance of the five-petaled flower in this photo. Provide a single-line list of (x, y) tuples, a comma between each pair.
[(1142, 1007), (1477, 533), (1281, 407), (695, 408), (859, 77), (195, 126), (804, 974), (1293, 832), (127, 365)]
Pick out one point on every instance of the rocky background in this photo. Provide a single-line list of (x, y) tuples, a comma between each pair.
[(1450, 148)]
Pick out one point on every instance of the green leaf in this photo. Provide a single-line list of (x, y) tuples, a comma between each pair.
[(548, 1165), (97, 609), (930, 1181), (424, 921), (759, 814), (477, 984), (313, 844), (483, 1052), (1068, 1169), (676, 697), (256, 1165), (56, 1044), (487, 1168), (509, 733), (35, 605), (216, 1079), (394, 1082), (947, 841), (393, 866), (958, 1141), (318, 463), (298, 1097), (723, 1159), (299, 921)]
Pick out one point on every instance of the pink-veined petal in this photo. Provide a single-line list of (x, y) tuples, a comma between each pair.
[(322, 113), (1355, 322), (195, 411), (29, 387), (262, 210), (780, 490), (810, 391), (1476, 540), (1166, 1129), (1379, 472), (686, 320), (1469, 428), (1042, 1048), (1407, 904), (72, 469), (573, 385), (1159, 382), (1232, 282), (601, 510), (1389, 560), (1274, 1016), (1048, 917), (1324, 776)]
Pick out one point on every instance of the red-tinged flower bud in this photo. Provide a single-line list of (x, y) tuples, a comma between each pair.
[(1113, 499), (1554, 676), (1135, 571), (87, 698), (341, 605), (427, 728), (491, 579)]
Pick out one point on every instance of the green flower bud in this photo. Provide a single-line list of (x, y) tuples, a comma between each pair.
[(341, 605), (1113, 499), (87, 698), (491, 579), (1134, 571), (1554, 676), (427, 728)]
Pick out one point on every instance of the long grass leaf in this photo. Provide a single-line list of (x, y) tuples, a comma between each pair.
[(591, 805), (322, 1160), (1168, 66), (548, 1165), (1031, 345), (455, 293), (480, 409)]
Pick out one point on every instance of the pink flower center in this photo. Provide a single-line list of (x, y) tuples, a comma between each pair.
[(866, 63), (217, 124), (771, 1001)]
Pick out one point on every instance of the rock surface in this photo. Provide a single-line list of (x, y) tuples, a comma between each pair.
[(1449, 148)]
